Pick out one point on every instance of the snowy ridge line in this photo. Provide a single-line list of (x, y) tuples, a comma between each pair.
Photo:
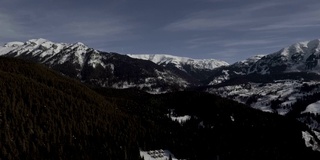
[(95, 67), (165, 59), (51, 53)]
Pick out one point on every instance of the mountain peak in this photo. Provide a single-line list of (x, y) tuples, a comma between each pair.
[(79, 44), (314, 43), (34, 42), (13, 44), (253, 59), (302, 46), (38, 41)]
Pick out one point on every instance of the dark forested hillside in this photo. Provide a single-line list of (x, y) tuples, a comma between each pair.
[(234, 131), (44, 115), (218, 127)]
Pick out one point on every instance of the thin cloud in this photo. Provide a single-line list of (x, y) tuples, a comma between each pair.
[(113, 29), (204, 20), (236, 42), (296, 20), (277, 27), (270, 15), (10, 29), (230, 18), (203, 41), (262, 6), (64, 25), (249, 42), (202, 24), (6, 26)]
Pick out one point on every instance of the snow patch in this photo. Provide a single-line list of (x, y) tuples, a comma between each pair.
[(63, 59), (219, 79), (310, 141), (181, 119), (313, 108), (96, 59), (157, 155), (37, 41), (232, 118), (5, 50)]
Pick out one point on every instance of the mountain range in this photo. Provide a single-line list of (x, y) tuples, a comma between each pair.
[(286, 82), (111, 69)]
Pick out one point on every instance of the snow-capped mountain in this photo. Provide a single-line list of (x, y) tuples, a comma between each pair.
[(180, 62), (296, 64), (96, 67), (286, 82), (47, 52), (299, 57), (196, 70)]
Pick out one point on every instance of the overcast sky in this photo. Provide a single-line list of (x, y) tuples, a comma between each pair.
[(229, 30)]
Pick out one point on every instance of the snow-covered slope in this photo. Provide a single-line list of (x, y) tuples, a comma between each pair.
[(237, 69), (270, 97), (179, 62), (313, 108)]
